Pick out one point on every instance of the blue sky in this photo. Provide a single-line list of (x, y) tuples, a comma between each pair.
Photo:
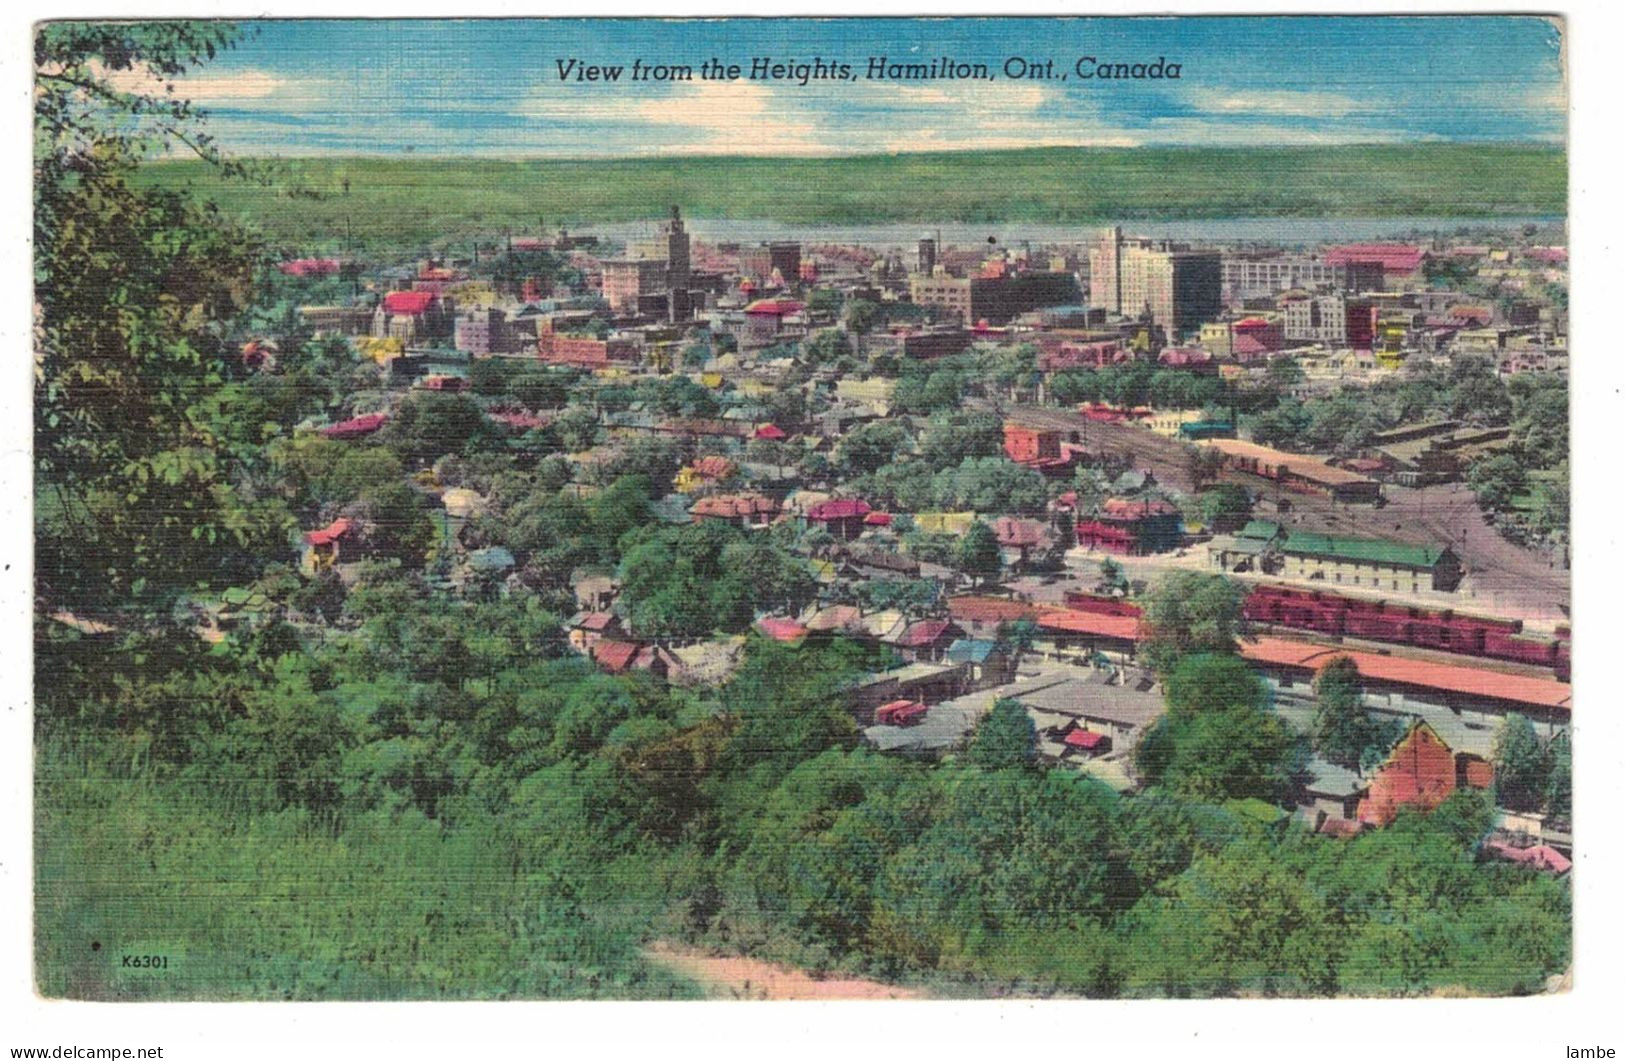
[(491, 88)]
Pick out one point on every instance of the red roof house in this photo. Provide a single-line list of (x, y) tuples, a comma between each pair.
[(1518, 691), (1091, 625), (840, 515), (356, 427), (924, 632), (774, 307), (1541, 856), (785, 631), (1132, 527), (746, 510), (1057, 353), (1420, 772), (713, 467), (518, 420), (618, 657), (1397, 259), (330, 533), (408, 303), (927, 639), (982, 615), (322, 546), (1192, 358)]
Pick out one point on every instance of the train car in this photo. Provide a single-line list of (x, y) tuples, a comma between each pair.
[(1400, 623), (1520, 648), (1560, 662), (1294, 613), (1466, 636), (1510, 626), (1361, 606), (1447, 635), (1380, 627), (1090, 602), (1261, 609), (1327, 619), (1429, 633)]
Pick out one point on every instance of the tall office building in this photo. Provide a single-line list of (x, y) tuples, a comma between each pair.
[(1106, 271), (677, 268), (782, 257), (1177, 286), (925, 261), (657, 267)]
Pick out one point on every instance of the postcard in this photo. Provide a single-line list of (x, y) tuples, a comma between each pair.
[(851, 508)]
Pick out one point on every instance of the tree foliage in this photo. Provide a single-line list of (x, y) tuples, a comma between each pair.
[(1344, 728), (1005, 738), (1189, 612), (1520, 764), (979, 553)]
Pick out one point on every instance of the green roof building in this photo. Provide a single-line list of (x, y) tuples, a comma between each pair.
[(1371, 562)]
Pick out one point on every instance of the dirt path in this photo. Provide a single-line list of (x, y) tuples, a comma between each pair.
[(748, 978)]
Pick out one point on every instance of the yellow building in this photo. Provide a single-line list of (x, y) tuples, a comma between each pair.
[(875, 393), (382, 351), (944, 522)]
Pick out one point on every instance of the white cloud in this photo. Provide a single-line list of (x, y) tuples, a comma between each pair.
[(1001, 96), (1207, 133), (1532, 99), (986, 115), (1273, 103), (1001, 140), (695, 118), (734, 116), (250, 87)]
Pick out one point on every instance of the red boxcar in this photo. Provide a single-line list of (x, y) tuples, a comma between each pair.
[(1520, 648), (1382, 627), (1089, 602), (1441, 629)]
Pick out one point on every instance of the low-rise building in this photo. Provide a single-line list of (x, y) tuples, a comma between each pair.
[(928, 683), (741, 510), (1087, 711), (1132, 527), (1297, 471), (584, 350), (1374, 563)]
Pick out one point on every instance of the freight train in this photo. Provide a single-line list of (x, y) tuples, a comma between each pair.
[(1442, 630), (1100, 605)]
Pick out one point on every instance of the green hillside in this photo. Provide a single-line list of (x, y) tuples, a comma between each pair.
[(410, 202)]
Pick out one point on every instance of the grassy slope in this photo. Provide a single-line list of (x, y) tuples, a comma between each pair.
[(276, 905), (405, 202)]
